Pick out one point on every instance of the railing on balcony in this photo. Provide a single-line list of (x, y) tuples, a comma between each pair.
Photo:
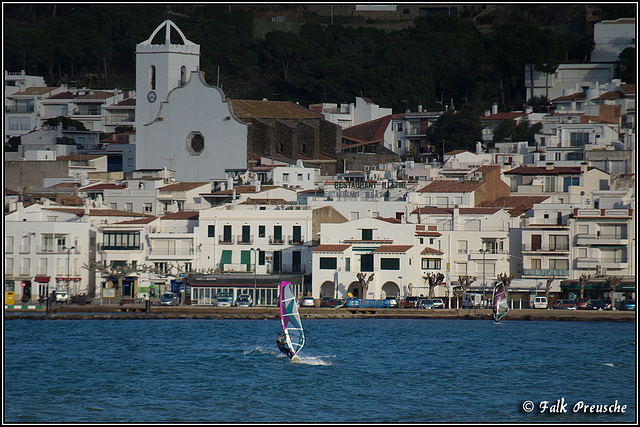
[(171, 251), (527, 247), (275, 240), (19, 109), (118, 119), (245, 240), (120, 247), (25, 249), (548, 272), (295, 240), (226, 240)]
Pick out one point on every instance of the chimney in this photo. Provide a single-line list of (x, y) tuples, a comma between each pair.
[(229, 183), (494, 108), (583, 167)]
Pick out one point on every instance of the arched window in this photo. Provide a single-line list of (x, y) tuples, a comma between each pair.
[(183, 75), (152, 77)]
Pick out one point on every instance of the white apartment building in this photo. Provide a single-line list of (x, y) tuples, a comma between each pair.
[(295, 176), (45, 250)]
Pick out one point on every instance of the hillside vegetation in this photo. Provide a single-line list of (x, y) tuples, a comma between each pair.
[(437, 60)]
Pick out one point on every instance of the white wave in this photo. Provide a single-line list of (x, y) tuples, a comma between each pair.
[(609, 364)]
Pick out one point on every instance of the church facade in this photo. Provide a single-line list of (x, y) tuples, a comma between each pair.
[(182, 122)]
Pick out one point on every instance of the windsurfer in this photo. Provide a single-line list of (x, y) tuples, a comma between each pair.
[(282, 345)]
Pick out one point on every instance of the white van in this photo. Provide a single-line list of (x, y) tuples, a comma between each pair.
[(540, 302)]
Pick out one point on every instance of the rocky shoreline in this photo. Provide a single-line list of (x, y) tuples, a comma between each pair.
[(110, 312)]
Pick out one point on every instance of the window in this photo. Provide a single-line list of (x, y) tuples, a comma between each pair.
[(347, 264), (389, 263), (195, 143), (578, 139), (399, 143), (366, 262), (128, 207), (25, 123), (367, 234), (148, 207), (462, 246), (261, 231), (121, 240), (549, 184), (261, 257), (431, 263), (536, 263), (277, 233), (226, 234), (183, 75), (300, 177), (152, 77), (399, 126), (211, 231), (297, 234), (285, 177), (558, 243), (559, 264), (246, 234)]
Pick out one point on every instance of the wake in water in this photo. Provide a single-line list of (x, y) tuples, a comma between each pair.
[(306, 360)]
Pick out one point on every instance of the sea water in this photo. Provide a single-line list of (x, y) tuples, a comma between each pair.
[(352, 370)]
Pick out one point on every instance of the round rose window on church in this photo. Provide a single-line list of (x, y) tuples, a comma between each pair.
[(195, 143)]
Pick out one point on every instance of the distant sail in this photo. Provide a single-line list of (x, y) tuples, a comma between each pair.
[(500, 304), (290, 318)]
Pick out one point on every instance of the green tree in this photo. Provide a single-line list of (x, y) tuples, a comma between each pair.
[(455, 130)]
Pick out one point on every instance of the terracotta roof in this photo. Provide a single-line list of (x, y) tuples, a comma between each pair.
[(63, 95), (431, 251), (182, 215), (628, 88), (145, 220), (580, 96), (611, 95), (35, 90), (375, 241), (98, 95), (181, 186), (80, 157), (515, 204), (250, 109), (444, 186), (372, 131), (393, 248), (331, 248), (389, 220), (428, 233)]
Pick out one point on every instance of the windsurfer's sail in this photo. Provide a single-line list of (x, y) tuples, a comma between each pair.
[(290, 319), (500, 304)]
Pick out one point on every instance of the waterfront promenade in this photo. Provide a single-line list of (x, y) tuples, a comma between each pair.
[(137, 311)]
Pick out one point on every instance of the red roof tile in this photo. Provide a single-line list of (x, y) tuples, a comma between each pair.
[(393, 248), (444, 186), (431, 251), (182, 215), (331, 248), (251, 109)]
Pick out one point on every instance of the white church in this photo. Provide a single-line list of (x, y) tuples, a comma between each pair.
[(182, 123)]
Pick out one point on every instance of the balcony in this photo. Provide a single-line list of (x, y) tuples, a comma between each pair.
[(276, 240), (120, 248), (295, 240), (527, 247), (601, 239), (244, 240), (228, 240), (549, 272), (491, 255)]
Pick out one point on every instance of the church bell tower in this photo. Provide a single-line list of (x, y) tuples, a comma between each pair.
[(160, 68)]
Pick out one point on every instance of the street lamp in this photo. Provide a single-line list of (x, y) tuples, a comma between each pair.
[(255, 272), (64, 248), (483, 252)]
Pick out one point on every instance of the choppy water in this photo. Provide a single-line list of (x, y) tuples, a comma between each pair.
[(352, 370)]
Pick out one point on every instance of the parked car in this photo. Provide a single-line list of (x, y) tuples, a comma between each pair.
[(627, 305), (581, 304), (410, 302), (438, 303), (565, 304), (540, 302), (307, 302), (223, 302), (596, 304), (169, 299), (244, 301), (61, 297), (330, 302), (426, 304), (393, 301), (607, 303)]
